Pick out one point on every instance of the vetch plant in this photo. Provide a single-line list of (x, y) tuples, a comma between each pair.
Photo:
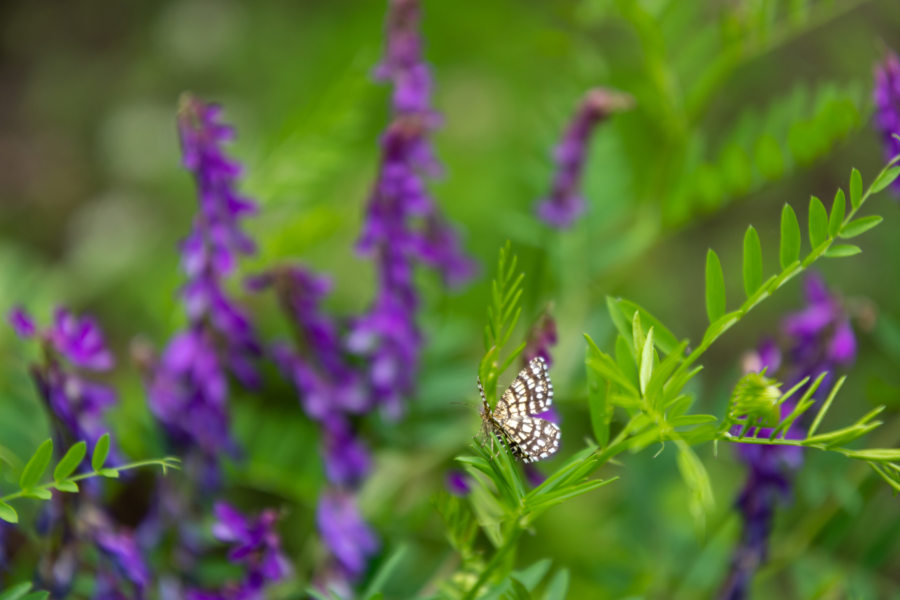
[(64, 477), (309, 376)]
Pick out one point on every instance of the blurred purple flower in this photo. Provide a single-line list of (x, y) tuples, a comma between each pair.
[(22, 323), (74, 348), (887, 105), (565, 203), (458, 483), (256, 546), (188, 387), (121, 548), (818, 339), (541, 339), (345, 533)]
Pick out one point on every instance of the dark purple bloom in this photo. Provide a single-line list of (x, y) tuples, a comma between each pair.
[(21, 322), (818, 339), (347, 459), (75, 348), (887, 105), (458, 483), (121, 548), (345, 533), (188, 387), (541, 339), (403, 63), (565, 203), (256, 546)]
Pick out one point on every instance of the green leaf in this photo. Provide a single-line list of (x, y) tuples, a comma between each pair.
[(876, 454), (39, 493), (637, 334), (558, 586), (621, 311), (39, 595), (8, 514), (855, 189), (825, 406), (818, 222), (860, 226), (67, 486), (697, 479), (790, 237), (752, 261), (384, 572), (110, 473), (70, 461), (598, 405), (16, 592), (715, 287), (842, 250), (36, 466), (101, 451), (885, 179), (836, 220), (647, 355)]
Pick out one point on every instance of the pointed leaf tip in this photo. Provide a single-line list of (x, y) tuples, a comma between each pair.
[(715, 287), (36, 466), (790, 237), (101, 451)]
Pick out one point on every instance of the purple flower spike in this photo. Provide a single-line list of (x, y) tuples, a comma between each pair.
[(122, 550), (819, 339), (565, 203), (75, 346), (256, 546), (887, 106), (188, 387), (344, 531), (81, 341)]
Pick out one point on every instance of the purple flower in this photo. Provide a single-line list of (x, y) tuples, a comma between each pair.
[(75, 347), (403, 64), (458, 483), (122, 549), (887, 105), (22, 323), (818, 339), (256, 546), (541, 338), (565, 204), (345, 533), (347, 460), (188, 386)]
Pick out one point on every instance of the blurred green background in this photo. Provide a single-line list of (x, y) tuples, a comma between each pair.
[(740, 107)]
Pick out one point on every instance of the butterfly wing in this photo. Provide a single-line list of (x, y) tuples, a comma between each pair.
[(531, 392), (531, 439)]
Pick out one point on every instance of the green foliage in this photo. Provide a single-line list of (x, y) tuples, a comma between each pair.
[(503, 314), (885, 461), (715, 287), (30, 480), (22, 591), (752, 261)]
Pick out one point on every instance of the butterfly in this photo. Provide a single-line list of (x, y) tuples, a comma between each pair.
[(513, 419)]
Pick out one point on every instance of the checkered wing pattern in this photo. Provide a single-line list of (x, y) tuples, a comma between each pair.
[(531, 393), (530, 438)]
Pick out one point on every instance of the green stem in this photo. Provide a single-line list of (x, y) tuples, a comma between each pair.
[(489, 568), (165, 463), (774, 283)]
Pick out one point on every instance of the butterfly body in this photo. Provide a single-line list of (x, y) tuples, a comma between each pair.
[(514, 419)]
